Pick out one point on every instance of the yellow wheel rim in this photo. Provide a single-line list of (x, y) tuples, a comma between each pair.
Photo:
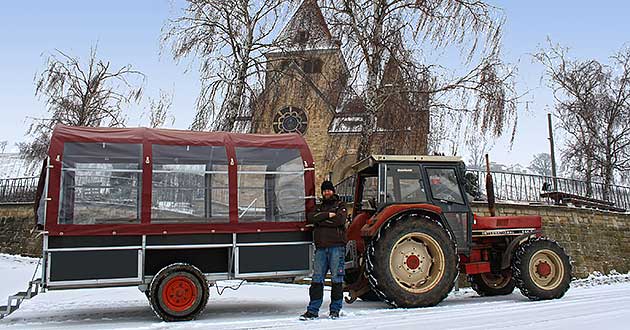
[(417, 262), (546, 269)]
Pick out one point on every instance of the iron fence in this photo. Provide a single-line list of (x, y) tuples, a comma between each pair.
[(523, 187), (345, 189), (509, 186), (18, 190)]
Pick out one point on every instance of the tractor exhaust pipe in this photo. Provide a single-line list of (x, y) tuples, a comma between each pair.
[(489, 188)]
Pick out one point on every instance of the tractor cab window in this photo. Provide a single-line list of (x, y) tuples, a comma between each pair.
[(444, 185), (403, 184), (369, 192)]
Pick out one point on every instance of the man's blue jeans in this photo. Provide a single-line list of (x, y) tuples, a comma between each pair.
[(327, 259)]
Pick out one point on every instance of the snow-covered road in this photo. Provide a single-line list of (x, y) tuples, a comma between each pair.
[(276, 306)]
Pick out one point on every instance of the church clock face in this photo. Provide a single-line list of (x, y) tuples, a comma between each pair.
[(290, 120)]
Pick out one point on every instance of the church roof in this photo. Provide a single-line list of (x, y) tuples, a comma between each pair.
[(306, 30)]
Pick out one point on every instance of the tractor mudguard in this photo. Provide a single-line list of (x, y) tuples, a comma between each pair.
[(374, 224), (353, 232)]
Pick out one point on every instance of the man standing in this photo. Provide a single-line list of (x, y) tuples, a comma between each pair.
[(329, 220)]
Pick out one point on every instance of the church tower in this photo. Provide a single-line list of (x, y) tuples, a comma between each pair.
[(305, 76), (306, 91)]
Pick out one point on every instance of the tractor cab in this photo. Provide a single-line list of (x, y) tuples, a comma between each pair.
[(386, 180)]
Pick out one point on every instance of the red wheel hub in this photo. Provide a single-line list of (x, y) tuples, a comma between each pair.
[(413, 262), (179, 293), (543, 269)]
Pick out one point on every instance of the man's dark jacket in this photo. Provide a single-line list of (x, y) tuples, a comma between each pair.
[(328, 231)]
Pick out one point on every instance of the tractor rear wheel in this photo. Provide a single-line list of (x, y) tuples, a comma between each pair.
[(412, 263), (492, 284), (178, 292), (542, 270)]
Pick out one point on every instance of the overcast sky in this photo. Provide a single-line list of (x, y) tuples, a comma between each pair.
[(128, 32)]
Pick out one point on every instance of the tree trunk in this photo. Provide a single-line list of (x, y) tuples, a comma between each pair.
[(236, 96), (589, 175), (374, 68)]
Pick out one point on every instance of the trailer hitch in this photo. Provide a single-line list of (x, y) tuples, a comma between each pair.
[(354, 294)]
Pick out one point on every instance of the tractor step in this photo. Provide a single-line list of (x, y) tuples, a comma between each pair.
[(16, 300)]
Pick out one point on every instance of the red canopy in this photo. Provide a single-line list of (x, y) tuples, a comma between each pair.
[(149, 136)]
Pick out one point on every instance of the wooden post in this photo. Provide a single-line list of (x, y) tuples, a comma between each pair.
[(553, 154)]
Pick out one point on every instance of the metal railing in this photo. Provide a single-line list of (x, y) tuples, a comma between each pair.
[(523, 187), (345, 189), (18, 190)]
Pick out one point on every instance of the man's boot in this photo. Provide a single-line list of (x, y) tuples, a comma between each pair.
[(316, 295), (336, 297)]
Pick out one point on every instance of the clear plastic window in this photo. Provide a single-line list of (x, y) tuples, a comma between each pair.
[(189, 185), (444, 185), (270, 185), (404, 184), (100, 183)]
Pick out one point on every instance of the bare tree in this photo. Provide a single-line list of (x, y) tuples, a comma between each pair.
[(478, 146), (160, 110), (374, 31), (229, 38), (541, 164), (3, 145), (80, 94), (593, 108)]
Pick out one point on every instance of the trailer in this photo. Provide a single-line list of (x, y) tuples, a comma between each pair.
[(172, 212)]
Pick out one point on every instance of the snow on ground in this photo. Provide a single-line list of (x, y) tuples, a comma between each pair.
[(598, 301)]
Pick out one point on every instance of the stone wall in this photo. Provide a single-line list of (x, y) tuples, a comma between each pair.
[(16, 223), (595, 240)]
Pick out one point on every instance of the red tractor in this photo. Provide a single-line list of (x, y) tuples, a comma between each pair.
[(413, 230)]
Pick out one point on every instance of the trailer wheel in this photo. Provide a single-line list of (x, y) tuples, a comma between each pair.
[(178, 292), (542, 270), (492, 284), (412, 263)]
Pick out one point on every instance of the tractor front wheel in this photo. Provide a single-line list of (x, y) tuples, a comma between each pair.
[(542, 270), (492, 284), (178, 292), (412, 263)]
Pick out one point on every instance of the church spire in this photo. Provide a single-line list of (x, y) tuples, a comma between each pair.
[(307, 29)]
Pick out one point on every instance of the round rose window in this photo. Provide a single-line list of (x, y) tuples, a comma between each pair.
[(290, 120)]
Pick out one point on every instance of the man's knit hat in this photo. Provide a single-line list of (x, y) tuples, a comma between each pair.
[(327, 185)]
